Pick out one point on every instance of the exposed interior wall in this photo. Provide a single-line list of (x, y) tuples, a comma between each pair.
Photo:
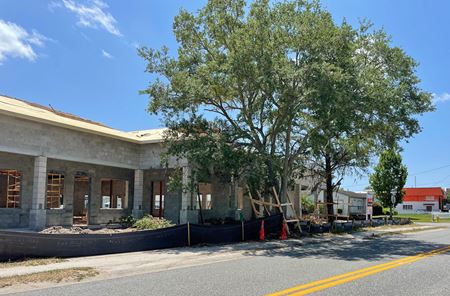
[(224, 201), (96, 215), (18, 217), (172, 200), (80, 191)]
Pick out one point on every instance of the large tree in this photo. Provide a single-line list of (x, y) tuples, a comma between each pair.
[(364, 96), (243, 68), (277, 88), (388, 179)]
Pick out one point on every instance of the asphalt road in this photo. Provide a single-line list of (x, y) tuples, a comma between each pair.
[(278, 269)]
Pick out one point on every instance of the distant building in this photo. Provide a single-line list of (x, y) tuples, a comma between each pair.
[(348, 204), (422, 200)]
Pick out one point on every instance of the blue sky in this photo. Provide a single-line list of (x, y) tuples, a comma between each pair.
[(80, 57)]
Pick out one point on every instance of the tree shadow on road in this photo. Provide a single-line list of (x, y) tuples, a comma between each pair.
[(375, 249)]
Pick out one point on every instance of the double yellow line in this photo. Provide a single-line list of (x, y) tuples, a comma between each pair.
[(354, 275)]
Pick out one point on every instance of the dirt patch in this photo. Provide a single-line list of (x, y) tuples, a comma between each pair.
[(389, 227), (31, 262), (79, 230), (54, 276)]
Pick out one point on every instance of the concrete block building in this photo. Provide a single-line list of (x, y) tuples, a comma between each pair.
[(60, 169)]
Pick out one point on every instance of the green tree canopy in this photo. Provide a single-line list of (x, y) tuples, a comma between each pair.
[(277, 88)]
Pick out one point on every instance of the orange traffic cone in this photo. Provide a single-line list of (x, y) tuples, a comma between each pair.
[(261, 231), (283, 235)]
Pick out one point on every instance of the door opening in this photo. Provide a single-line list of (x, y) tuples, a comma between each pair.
[(158, 188), (81, 191)]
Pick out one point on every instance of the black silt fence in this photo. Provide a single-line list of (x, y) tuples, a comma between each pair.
[(378, 222), (14, 245), (216, 234)]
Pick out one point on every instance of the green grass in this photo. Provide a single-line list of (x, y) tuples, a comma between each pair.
[(421, 218)]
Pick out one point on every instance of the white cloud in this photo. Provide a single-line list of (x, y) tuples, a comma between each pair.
[(16, 42), (106, 54), (443, 97), (91, 14)]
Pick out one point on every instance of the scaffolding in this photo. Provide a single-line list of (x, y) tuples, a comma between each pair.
[(265, 207), (13, 180), (55, 190)]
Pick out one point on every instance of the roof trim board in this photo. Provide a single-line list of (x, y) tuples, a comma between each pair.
[(35, 112)]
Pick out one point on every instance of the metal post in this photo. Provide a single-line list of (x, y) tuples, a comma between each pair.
[(160, 199), (189, 233)]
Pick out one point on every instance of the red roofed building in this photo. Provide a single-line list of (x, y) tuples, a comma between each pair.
[(422, 200)]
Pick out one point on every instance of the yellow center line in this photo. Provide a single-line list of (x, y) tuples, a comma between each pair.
[(351, 276)]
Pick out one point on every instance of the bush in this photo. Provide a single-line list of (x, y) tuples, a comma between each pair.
[(149, 222), (127, 221), (387, 212), (307, 205)]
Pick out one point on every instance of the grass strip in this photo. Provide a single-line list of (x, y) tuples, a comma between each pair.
[(55, 276)]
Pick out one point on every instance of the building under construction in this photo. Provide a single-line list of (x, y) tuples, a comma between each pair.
[(59, 169)]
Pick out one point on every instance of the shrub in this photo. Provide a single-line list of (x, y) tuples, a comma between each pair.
[(386, 211), (149, 222), (307, 204), (127, 221), (322, 209)]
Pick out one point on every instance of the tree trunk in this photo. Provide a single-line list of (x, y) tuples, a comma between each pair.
[(286, 170), (329, 189), (272, 177)]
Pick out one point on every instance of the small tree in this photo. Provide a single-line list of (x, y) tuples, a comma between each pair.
[(389, 179)]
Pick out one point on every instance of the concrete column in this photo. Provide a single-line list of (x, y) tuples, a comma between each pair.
[(94, 199), (138, 195), (38, 203), (186, 196), (69, 180)]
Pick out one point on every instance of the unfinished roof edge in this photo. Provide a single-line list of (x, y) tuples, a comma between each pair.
[(22, 109)]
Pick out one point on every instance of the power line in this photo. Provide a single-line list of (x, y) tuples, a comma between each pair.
[(412, 175), (431, 170)]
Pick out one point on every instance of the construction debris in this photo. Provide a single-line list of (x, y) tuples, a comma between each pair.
[(79, 230)]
